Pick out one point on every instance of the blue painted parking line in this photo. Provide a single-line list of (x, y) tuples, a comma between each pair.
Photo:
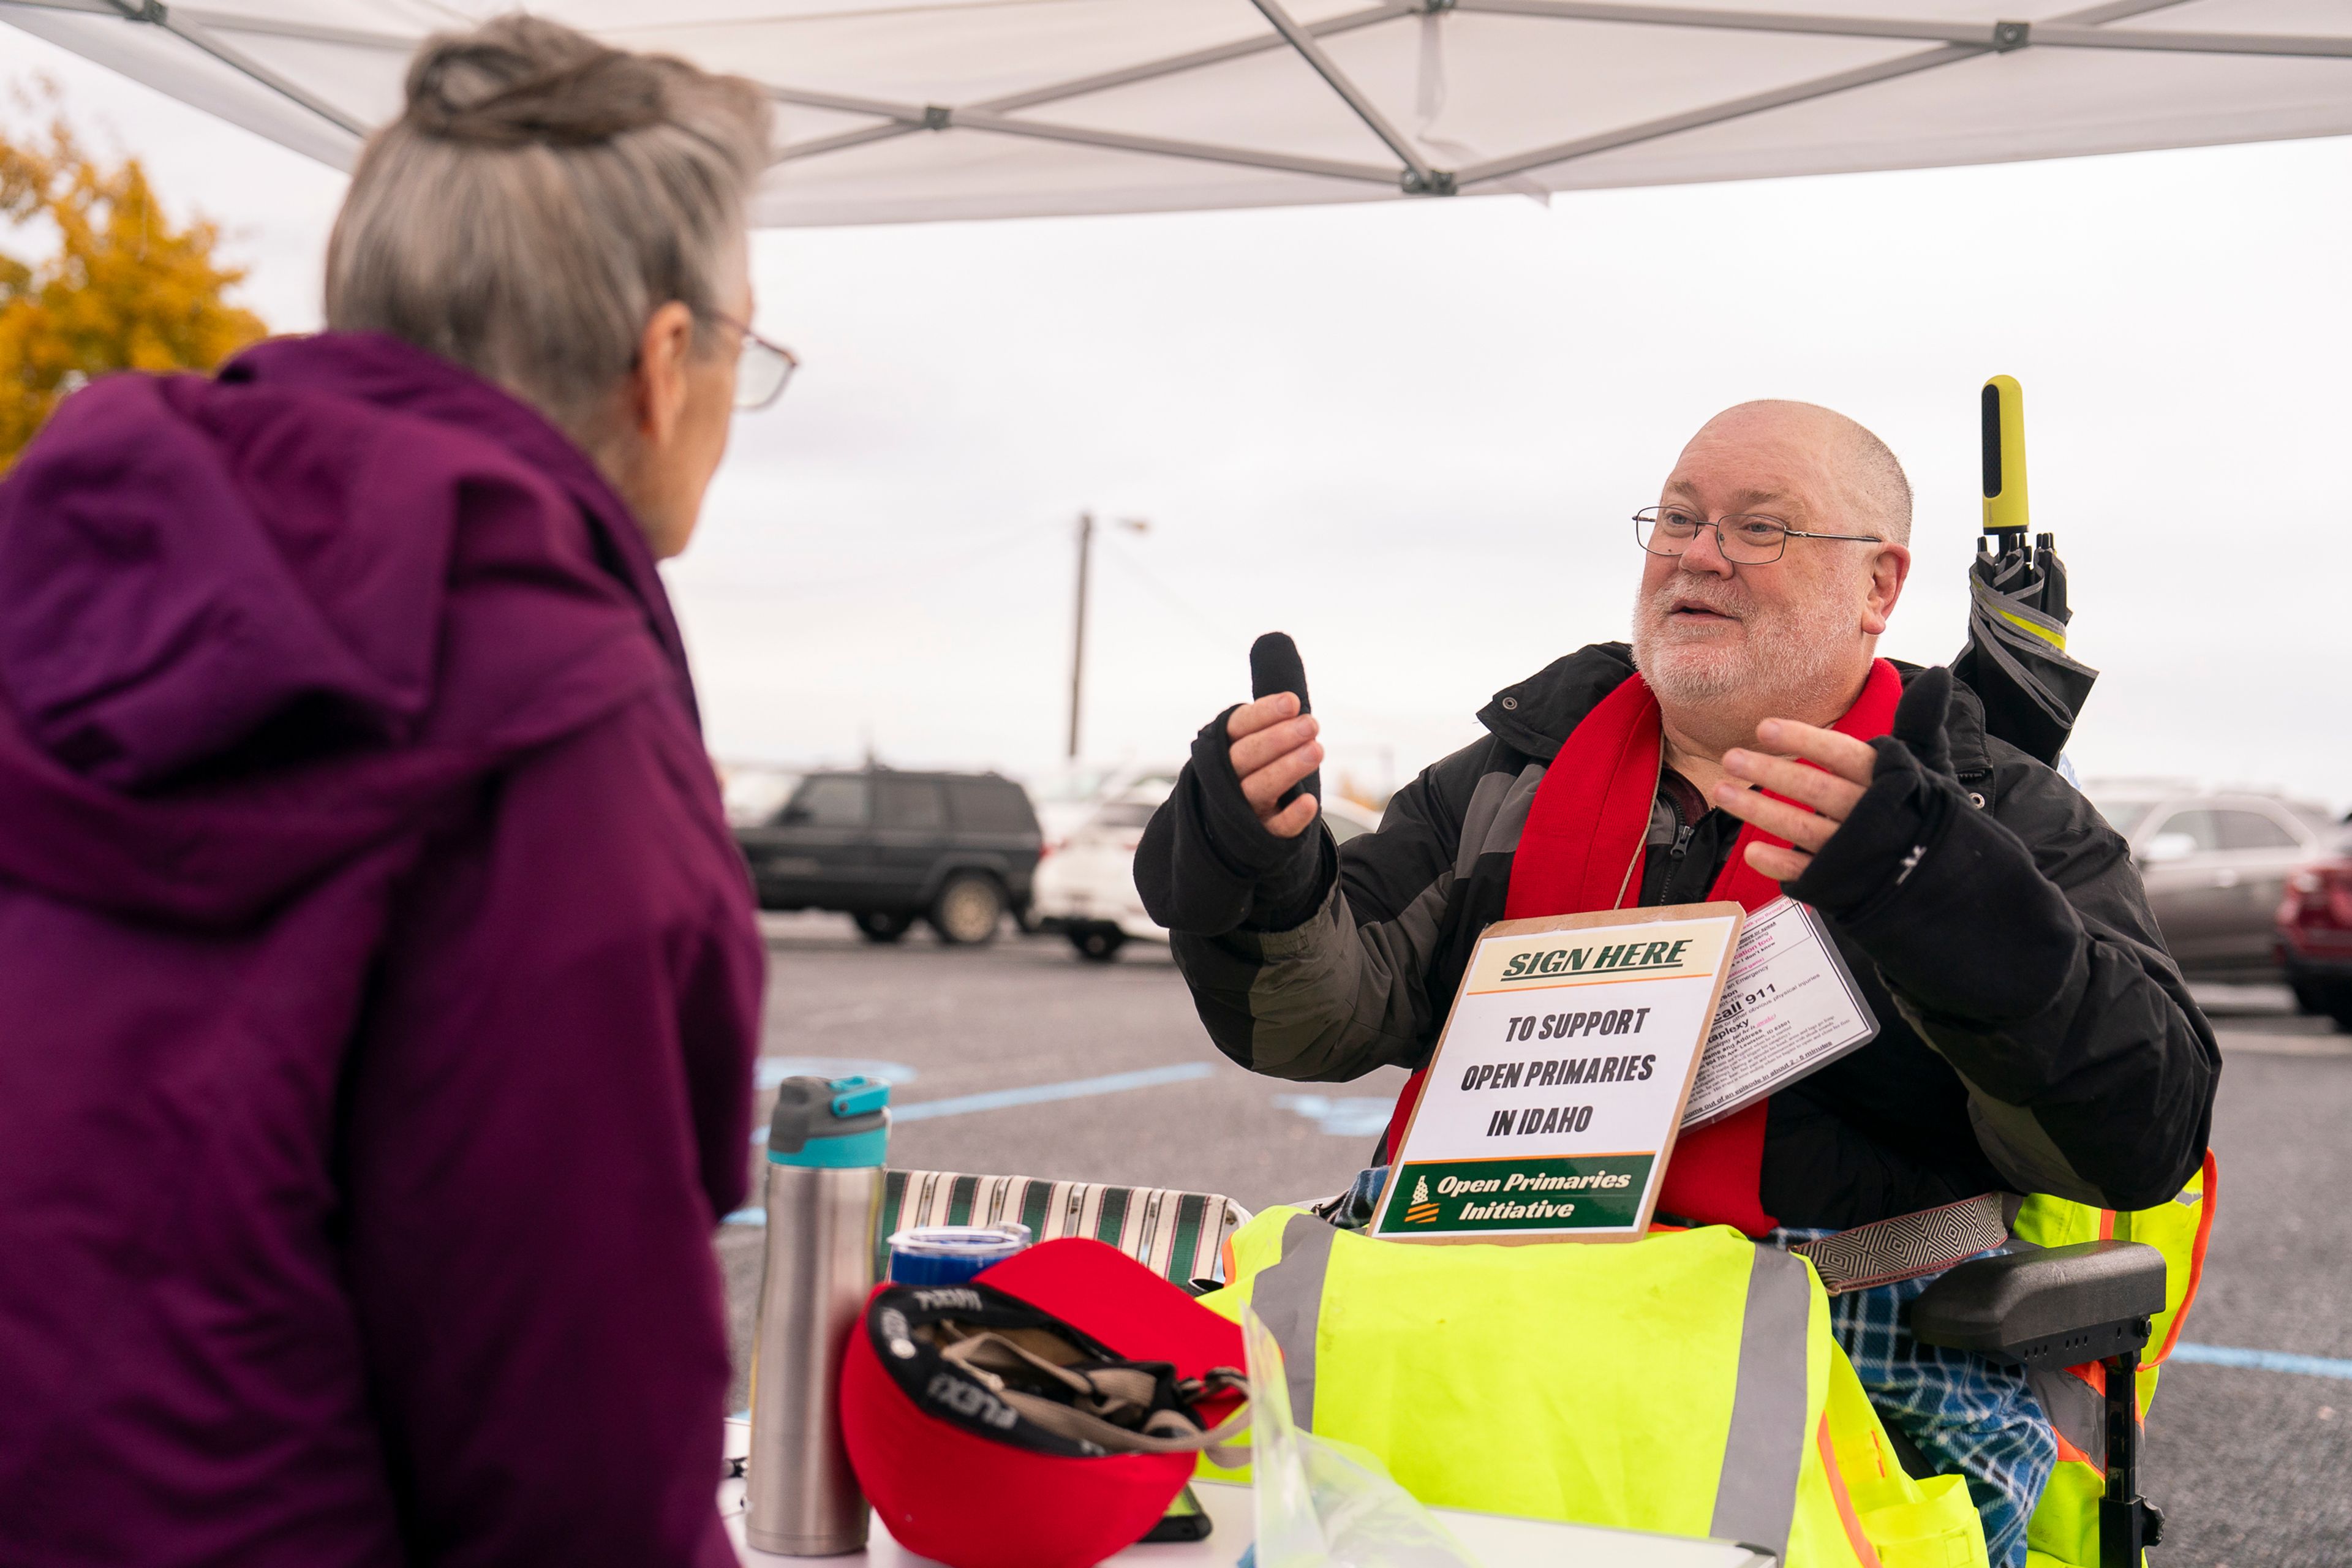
[(1002, 1099), (2264, 1360), (1040, 1093), (1347, 1116), (770, 1071)]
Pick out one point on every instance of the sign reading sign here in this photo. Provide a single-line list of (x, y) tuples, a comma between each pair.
[(1558, 1085)]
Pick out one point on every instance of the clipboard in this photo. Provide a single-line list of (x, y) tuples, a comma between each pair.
[(1558, 1087)]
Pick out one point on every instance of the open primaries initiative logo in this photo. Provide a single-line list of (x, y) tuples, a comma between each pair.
[(1560, 1191)]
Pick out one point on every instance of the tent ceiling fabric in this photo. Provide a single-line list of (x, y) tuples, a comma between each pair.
[(896, 111)]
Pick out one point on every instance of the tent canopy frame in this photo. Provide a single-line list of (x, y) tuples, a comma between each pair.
[(1412, 173)]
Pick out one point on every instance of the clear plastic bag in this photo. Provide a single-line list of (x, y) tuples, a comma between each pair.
[(1325, 1504)]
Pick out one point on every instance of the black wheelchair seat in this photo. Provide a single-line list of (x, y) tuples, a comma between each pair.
[(2064, 1306)]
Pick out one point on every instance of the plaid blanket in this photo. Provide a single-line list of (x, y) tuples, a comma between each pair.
[(1967, 1415)]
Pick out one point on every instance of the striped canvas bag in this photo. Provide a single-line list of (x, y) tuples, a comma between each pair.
[(1177, 1234)]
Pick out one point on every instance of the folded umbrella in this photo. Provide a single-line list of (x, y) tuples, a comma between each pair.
[(2016, 661)]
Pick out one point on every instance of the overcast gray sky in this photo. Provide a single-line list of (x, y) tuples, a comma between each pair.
[(1411, 435)]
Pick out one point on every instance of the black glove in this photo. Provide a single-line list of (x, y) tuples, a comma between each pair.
[(1206, 865), (1947, 901)]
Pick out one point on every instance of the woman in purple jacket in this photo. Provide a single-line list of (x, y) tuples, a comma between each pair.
[(378, 980)]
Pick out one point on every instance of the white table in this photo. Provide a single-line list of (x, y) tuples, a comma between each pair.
[(1498, 1540)]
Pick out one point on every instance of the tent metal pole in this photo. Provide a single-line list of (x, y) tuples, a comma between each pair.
[(1738, 21), (817, 147), (2050, 36), (236, 61), (307, 32), (2112, 11), (1717, 113), (1116, 142), (917, 115), (1151, 70), (1797, 92), (1203, 152), (1422, 178), (1998, 36), (906, 118)]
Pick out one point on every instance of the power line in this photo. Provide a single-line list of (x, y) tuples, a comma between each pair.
[(1202, 621), (1003, 543)]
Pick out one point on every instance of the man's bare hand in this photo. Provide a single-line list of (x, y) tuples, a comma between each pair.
[(1274, 748), (1833, 789)]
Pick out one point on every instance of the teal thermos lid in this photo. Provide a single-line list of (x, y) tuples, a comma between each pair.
[(833, 1122)]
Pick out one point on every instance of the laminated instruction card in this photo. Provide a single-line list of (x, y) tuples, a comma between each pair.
[(1790, 1008), (1558, 1083)]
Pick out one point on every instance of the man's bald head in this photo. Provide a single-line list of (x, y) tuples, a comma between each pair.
[(1726, 642), (1859, 472)]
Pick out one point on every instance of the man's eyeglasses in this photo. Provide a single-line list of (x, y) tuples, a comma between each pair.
[(1749, 539), (762, 369)]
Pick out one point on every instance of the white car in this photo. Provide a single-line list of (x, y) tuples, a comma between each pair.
[(1068, 798), (1085, 887)]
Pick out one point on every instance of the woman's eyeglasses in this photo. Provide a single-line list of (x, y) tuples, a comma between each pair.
[(762, 369)]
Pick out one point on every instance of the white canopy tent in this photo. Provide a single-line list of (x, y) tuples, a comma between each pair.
[(896, 111)]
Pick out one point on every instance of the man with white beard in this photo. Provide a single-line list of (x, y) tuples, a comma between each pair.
[(2034, 1036)]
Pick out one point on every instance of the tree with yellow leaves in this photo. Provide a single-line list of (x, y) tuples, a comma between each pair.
[(120, 289)]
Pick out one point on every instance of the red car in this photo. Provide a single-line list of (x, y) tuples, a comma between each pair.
[(2315, 934)]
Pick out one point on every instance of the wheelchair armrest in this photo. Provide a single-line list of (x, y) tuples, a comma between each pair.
[(2071, 1304)]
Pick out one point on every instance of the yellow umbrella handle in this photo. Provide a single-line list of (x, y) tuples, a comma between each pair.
[(2004, 460)]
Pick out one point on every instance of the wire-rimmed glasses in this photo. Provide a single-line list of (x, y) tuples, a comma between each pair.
[(1746, 539), (762, 369)]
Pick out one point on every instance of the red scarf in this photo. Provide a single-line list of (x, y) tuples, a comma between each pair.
[(1581, 849)]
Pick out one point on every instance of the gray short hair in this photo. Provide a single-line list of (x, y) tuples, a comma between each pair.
[(1878, 473), (1868, 468), (540, 197)]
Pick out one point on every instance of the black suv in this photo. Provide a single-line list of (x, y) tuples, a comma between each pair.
[(957, 850)]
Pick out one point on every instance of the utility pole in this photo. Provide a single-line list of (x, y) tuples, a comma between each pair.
[(1078, 642), (1078, 637)]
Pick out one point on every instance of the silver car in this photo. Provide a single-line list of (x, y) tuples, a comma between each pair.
[(2216, 863)]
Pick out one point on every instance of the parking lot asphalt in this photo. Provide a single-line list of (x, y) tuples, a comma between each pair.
[(2252, 1466)]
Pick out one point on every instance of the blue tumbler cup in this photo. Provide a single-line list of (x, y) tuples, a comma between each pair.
[(951, 1254)]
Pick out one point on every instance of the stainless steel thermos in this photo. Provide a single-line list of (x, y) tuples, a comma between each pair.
[(825, 1147)]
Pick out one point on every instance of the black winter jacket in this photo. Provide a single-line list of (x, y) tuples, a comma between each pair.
[(2034, 1036)]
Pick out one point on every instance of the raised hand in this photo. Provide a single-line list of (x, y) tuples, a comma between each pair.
[(1275, 746), (1842, 773), (1832, 788)]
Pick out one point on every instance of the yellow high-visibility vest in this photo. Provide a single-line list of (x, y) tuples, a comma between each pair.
[(1686, 1384)]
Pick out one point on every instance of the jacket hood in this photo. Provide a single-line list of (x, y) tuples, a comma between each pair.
[(1536, 715), (255, 624)]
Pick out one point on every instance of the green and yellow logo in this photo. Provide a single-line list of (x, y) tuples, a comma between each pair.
[(1589, 1192)]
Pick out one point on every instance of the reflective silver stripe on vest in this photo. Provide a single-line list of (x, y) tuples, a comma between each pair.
[(2077, 1411), (1756, 1499), (1288, 1299)]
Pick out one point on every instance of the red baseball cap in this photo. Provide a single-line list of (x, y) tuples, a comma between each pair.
[(960, 1477)]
